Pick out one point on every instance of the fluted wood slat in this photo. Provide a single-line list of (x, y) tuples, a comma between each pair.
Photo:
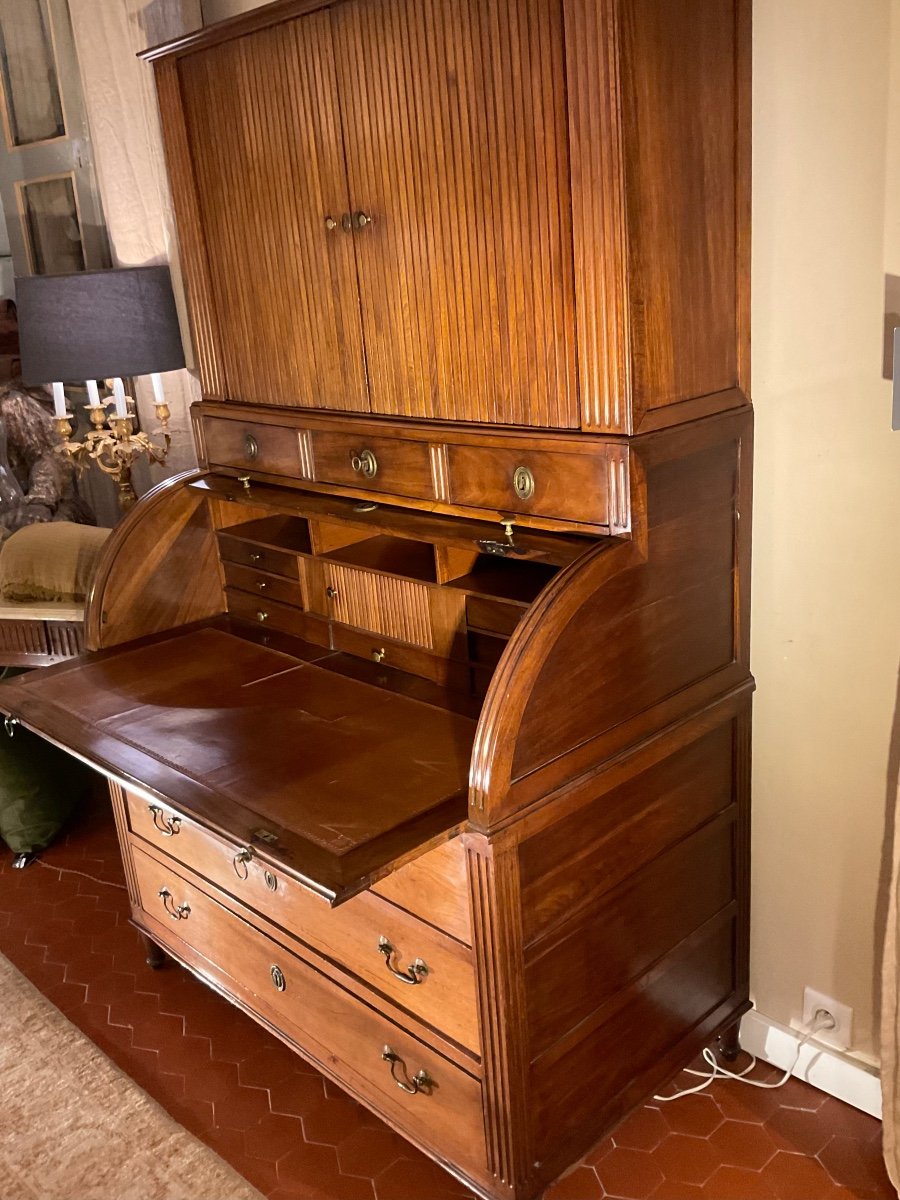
[(456, 143), (396, 608), (264, 128)]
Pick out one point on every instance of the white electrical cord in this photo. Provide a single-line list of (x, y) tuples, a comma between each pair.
[(822, 1020)]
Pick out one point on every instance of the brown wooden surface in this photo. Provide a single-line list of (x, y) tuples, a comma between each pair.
[(348, 935), (456, 146), (328, 1024), (434, 887), (33, 642), (263, 584), (158, 569), (402, 467), (265, 135)]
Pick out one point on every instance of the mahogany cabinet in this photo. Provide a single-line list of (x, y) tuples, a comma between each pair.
[(425, 701), (523, 212)]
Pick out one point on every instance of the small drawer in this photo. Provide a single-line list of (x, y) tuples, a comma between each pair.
[(262, 558), (269, 449), (269, 614), (355, 935), (380, 649), (492, 615), (543, 483), (267, 587), (373, 464)]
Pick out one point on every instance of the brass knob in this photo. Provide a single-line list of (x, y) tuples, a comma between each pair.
[(261, 584), (261, 615), (331, 592), (330, 223), (361, 220), (378, 655), (245, 480), (255, 556)]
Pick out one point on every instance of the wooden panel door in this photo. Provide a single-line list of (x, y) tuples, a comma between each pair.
[(455, 132), (264, 132)]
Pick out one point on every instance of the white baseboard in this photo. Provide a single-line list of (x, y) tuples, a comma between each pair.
[(839, 1074)]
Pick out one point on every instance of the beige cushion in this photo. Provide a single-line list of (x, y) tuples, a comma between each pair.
[(51, 561)]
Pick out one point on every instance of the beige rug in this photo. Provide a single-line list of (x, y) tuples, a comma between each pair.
[(74, 1127)]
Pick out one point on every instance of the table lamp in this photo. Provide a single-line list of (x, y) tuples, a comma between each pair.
[(102, 325)]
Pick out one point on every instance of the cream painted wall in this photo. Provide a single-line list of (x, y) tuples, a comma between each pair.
[(220, 10), (826, 581), (127, 146), (826, 594)]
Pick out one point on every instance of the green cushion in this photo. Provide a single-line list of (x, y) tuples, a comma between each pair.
[(39, 787)]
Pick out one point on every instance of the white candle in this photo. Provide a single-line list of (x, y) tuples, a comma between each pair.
[(59, 400), (119, 397), (159, 396), (93, 393)]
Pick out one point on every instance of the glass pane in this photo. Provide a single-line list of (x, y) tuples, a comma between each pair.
[(28, 73), (52, 228)]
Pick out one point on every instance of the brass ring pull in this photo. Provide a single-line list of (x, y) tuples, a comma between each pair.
[(420, 1082), (364, 463), (178, 912), (414, 974), (251, 447), (167, 826), (278, 978), (241, 861)]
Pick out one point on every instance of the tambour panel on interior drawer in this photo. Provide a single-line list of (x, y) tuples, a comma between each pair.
[(376, 464), (346, 1036), (271, 615), (262, 558), (258, 583), (353, 935), (272, 449), (566, 486)]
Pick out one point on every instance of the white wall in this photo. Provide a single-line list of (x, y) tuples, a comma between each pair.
[(826, 595)]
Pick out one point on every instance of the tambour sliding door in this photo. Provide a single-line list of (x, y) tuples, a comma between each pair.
[(265, 135), (454, 125)]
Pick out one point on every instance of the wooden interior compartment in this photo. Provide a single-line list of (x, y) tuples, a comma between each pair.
[(515, 580), (389, 556), (278, 531)]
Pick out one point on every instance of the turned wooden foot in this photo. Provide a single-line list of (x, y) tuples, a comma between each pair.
[(730, 1042), (156, 956)]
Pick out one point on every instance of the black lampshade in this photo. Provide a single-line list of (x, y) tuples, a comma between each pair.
[(97, 325)]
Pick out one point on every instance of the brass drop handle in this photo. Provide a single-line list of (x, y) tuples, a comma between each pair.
[(331, 592), (178, 912), (378, 655), (364, 463), (414, 974), (361, 220), (168, 826), (330, 223), (251, 447), (420, 1082), (241, 862)]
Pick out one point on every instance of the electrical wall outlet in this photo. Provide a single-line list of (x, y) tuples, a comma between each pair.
[(841, 1035)]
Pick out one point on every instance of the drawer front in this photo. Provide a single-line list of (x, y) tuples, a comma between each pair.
[(267, 587), (566, 487), (492, 615), (261, 558), (373, 464), (270, 614), (347, 1037), (350, 935), (272, 449), (378, 648)]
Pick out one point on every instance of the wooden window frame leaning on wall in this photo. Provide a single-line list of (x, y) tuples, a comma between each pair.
[(425, 702)]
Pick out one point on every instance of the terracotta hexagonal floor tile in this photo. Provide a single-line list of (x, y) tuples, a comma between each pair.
[(643, 1130), (798, 1130), (696, 1115), (686, 1158), (671, 1189), (856, 1165), (740, 1144), (331, 1121), (631, 1174), (795, 1177), (580, 1184), (737, 1183), (369, 1152)]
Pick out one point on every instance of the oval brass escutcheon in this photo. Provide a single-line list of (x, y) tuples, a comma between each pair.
[(523, 483), (251, 447), (271, 881), (278, 978)]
